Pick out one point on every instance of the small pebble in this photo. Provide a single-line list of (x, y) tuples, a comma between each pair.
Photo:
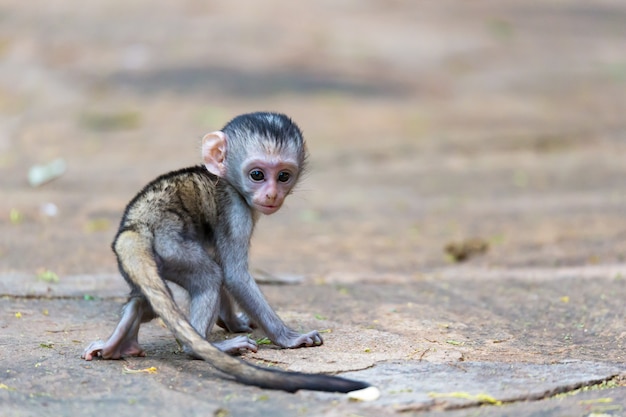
[(40, 174), (49, 210), (365, 394)]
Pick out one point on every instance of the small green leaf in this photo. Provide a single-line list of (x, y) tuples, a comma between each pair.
[(16, 216), (102, 122), (97, 225), (263, 341), (47, 276)]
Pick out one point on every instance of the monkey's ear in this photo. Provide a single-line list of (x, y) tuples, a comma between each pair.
[(214, 151)]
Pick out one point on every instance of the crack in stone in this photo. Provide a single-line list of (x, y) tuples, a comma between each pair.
[(571, 389)]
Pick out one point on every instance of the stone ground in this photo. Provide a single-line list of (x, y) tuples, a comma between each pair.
[(497, 124)]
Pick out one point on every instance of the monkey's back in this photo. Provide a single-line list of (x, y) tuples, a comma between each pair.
[(184, 199)]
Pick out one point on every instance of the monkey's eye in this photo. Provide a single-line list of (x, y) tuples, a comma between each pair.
[(284, 176), (257, 175)]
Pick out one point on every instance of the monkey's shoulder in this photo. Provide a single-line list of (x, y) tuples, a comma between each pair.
[(180, 181), (183, 176)]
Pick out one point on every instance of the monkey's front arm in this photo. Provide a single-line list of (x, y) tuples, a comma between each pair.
[(242, 287), (250, 298)]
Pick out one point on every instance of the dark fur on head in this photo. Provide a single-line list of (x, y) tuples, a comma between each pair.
[(261, 133), (266, 126)]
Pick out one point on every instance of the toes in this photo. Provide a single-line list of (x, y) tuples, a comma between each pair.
[(241, 324), (245, 320), (307, 340), (238, 344), (248, 344), (105, 350), (93, 350), (88, 355), (314, 339), (251, 346), (242, 328)]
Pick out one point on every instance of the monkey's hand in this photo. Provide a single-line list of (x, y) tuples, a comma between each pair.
[(292, 339)]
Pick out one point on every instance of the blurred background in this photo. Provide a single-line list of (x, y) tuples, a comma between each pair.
[(486, 132)]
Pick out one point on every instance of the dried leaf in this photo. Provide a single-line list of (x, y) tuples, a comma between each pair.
[(482, 398), (266, 278), (151, 370), (462, 251), (597, 400), (97, 225), (111, 121)]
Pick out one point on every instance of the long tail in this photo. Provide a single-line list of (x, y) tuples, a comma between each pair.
[(136, 256)]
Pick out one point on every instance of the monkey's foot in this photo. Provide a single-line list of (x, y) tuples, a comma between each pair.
[(107, 350), (293, 339), (239, 324)]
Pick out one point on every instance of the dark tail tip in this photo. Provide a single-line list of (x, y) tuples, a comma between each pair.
[(327, 383), (295, 381)]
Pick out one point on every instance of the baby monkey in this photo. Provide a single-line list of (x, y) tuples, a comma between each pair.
[(193, 227)]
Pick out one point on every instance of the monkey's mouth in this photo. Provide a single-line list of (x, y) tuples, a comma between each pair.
[(266, 209)]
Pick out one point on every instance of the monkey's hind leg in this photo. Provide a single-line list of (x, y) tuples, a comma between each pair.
[(229, 319), (203, 314), (186, 263), (123, 341)]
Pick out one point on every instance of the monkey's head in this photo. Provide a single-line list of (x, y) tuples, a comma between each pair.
[(261, 154)]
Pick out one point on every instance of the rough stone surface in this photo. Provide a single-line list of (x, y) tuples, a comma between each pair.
[(431, 126)]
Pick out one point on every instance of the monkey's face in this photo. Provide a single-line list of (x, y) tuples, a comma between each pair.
[(268, 181)]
